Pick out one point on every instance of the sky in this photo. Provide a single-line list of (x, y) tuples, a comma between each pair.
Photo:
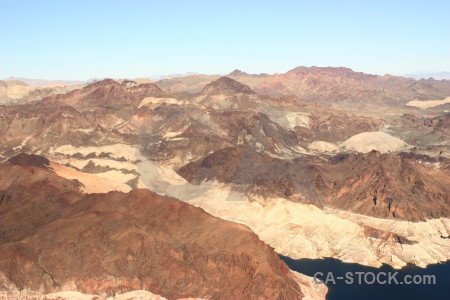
[(78, 40)]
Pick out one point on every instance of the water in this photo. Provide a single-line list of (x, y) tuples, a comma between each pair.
[(376, 290)]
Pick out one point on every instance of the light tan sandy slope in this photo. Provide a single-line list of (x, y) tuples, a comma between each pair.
[(368, 141), (428, 103)]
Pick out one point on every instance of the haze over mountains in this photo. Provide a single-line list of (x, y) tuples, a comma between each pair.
[(426, 75), (189, 186), (44, 82)]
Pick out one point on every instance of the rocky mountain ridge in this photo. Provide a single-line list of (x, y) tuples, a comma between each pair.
[(54, 238), (329, 86)]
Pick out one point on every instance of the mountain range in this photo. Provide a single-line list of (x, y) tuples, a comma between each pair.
[(426, 75), (189, 187)]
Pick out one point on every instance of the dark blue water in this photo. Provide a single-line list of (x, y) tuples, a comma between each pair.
[(355, 285)]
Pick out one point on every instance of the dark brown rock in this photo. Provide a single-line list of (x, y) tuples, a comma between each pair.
[(374, 184), (24, 159)]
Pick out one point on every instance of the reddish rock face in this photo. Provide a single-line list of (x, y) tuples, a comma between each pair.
[(374, 184), (52, 237), (387, 186), (107, 94)]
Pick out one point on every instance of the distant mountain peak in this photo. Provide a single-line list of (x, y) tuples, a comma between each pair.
[(103, 82), (314, 69), (428, 75), (225, 85), (237, 72)]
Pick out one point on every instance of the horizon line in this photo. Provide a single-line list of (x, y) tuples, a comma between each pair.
[(185, 74)]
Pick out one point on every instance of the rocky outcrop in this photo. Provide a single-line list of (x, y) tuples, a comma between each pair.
[(54, 238), (335, 127), (24, 159), (226, 85), (385, 186), (386, 236), (226, 93), (262, 174)]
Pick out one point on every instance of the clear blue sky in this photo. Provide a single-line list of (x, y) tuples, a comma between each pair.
[(82, 39)]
